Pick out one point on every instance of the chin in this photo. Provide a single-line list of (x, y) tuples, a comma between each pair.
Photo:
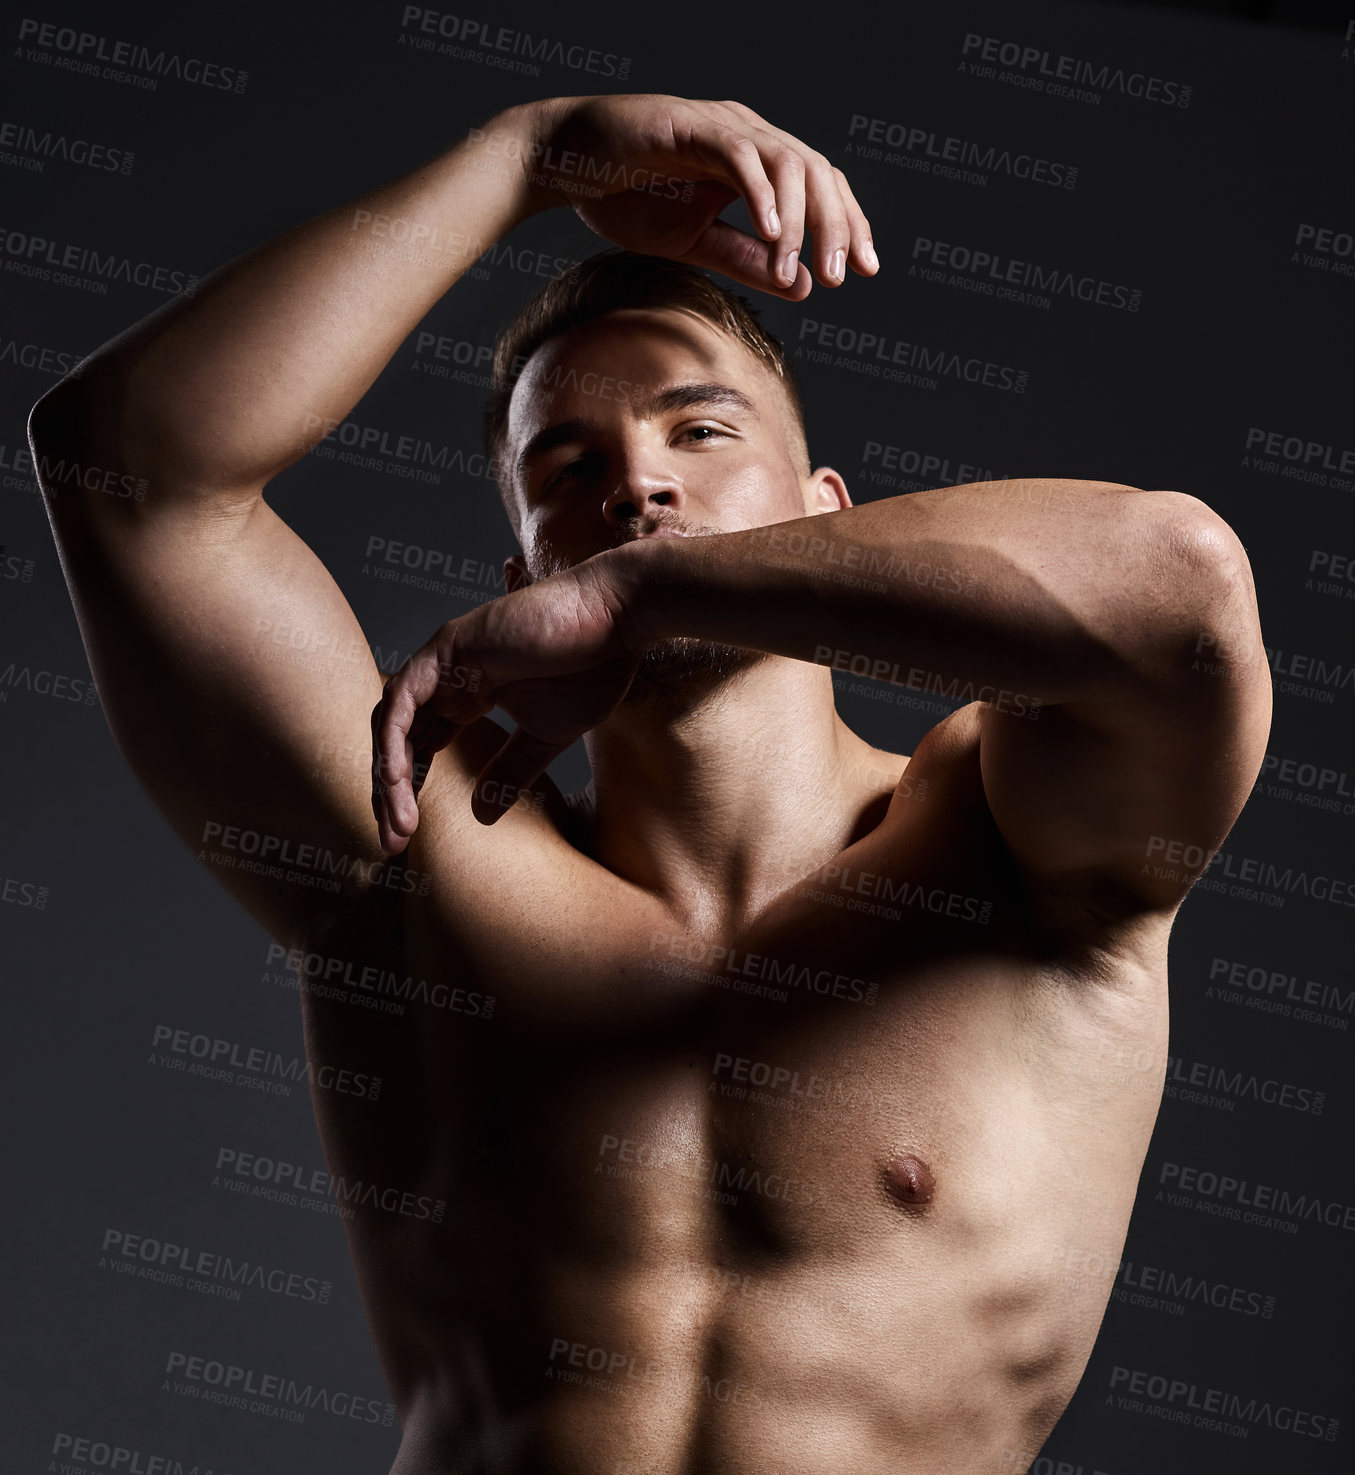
[(676, 674)]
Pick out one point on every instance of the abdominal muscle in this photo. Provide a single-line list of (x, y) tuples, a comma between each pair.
[(649, 1266)]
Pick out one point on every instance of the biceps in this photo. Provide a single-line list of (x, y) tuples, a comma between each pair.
[(1106, 800)]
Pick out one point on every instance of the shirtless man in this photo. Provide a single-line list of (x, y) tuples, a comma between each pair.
[(804, 1129)]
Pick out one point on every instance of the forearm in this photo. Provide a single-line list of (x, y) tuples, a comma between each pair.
[(224, 389), (1049, 591)]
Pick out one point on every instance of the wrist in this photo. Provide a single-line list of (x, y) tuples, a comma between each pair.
[(642, 581), (515, 141)]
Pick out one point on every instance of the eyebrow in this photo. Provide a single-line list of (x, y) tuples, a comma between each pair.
[(664, 402)]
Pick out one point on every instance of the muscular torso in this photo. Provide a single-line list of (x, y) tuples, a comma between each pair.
[(807, 1195)]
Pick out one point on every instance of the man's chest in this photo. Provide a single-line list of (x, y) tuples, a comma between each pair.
[(871, 1009)]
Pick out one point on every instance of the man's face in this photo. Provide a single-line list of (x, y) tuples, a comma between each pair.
[(647, 420)]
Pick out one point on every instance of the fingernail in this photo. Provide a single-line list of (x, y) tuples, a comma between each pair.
[(868, 251), (773, 222), (788, 268), (835, 266)]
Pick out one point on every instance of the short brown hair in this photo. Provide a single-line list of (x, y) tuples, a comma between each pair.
[(610, 282)]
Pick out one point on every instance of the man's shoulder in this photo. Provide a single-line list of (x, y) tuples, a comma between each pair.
[(1085, 923)]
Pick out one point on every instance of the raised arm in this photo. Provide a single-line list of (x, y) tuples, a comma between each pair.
[(1111, 635), (219, 391), (235, 677)]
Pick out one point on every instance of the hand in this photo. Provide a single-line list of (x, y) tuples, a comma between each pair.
[(651, 173), (557, 656)]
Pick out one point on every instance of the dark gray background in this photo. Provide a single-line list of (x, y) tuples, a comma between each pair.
[(1197, 207)]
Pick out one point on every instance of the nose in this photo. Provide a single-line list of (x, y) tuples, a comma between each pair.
[(642, 486)]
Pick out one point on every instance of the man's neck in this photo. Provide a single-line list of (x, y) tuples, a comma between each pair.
[(718, 804)]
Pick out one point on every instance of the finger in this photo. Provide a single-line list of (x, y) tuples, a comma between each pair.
[(786, 169), (744, 259), (392, 837), (387, 772), (860, 248), (394, 719), (826, 216), (510, 772), (742, 161), (861, 257)]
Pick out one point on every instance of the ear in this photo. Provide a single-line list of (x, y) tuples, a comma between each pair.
[(515, 575), (826, 491)]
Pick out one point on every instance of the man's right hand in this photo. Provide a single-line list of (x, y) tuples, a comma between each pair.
[(651, 173), (557, 656)]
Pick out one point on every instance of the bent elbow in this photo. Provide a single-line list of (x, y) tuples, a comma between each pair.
[(1213, 592)]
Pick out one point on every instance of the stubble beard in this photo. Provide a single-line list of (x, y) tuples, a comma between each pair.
[(681, 672)]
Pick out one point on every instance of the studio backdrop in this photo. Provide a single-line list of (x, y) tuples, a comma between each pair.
[(1117, 242)]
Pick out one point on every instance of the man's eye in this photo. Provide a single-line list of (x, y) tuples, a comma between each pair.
[(579, 466), (703, 432)]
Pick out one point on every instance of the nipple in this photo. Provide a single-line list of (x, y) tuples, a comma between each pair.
[(909, 1179)]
